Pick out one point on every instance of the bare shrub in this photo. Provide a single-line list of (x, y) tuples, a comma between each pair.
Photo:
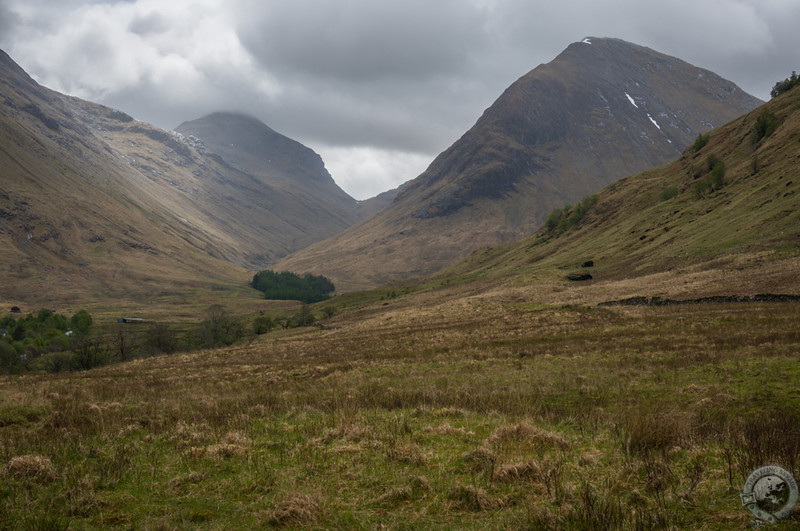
[(80, 499), (766, 439), (594, 511)]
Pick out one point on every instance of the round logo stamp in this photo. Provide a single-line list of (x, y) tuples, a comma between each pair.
[(770, 493)]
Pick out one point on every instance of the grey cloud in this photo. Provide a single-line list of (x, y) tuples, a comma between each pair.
[(8, 21), (149, 23), (404, 116), (358, 40), (386, 74)]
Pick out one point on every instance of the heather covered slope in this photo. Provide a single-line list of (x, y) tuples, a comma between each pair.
[(601, 110)]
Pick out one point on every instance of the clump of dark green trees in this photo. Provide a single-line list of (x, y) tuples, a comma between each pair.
[(289, 286)]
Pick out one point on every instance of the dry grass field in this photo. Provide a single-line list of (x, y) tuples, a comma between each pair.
[(420, 411)]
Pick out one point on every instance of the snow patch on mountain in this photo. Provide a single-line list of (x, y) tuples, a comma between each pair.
[(654, 121)]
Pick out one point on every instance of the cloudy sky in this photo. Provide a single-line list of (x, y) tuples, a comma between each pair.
[(377, 87)]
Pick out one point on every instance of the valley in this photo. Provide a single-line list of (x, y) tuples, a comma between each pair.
[(488, 392)]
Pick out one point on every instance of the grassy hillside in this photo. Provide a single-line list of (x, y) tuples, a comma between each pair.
[(667, 232)]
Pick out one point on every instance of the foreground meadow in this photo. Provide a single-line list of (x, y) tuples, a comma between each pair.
[(477, 413)]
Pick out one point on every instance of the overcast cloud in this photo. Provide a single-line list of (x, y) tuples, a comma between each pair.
[(377, 87)]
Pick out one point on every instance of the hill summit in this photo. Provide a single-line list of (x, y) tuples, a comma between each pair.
[(603, 109)]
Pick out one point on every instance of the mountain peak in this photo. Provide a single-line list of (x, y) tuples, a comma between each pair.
[(601, 110), (250, 145)]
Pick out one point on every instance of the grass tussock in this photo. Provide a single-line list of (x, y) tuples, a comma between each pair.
[(296, 510), (526, 433), (32, 467), (471, 498), (410, 454), (527, 471)]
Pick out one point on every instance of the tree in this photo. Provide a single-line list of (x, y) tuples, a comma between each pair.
[(81, 322), (766, 124), (161, 338), (220, 329), (304, 317), (88, 353), (9, 359), (785, 85), (561, 220), (700, 142), (124, 343), (713, 181), (262, 324)]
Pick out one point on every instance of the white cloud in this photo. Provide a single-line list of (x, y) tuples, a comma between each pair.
[(365, 172)]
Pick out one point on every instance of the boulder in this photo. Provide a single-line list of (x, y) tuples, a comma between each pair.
[(579, 276)]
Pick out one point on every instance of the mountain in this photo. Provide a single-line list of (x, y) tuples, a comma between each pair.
[(93, 201), (76, 216), (722, 220), (603, 109), (315, 202)]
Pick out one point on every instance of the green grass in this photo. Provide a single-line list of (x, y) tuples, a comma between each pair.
[(501, 415)]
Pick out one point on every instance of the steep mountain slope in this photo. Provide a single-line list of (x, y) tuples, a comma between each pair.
[(603, 109), (76, 217), (675, 232), (315, 201), (94, 201)]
